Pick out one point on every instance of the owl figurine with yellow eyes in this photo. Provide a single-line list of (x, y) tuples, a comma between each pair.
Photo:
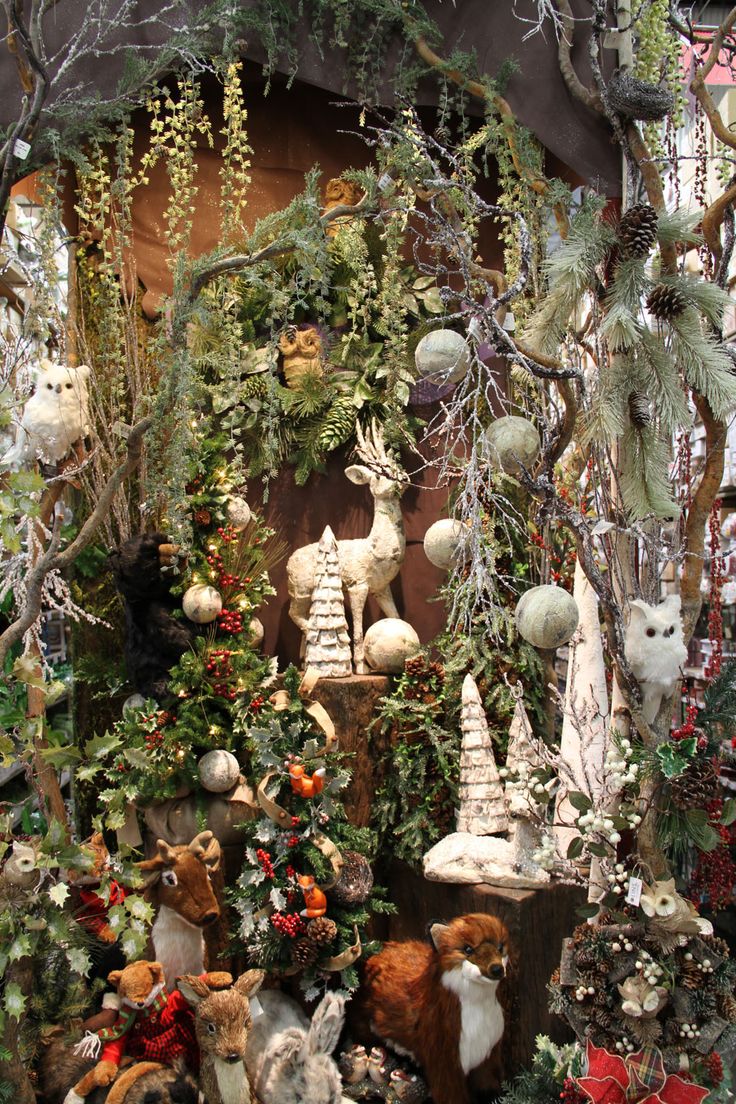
[(55, 417), (655, 649), (301, 352)]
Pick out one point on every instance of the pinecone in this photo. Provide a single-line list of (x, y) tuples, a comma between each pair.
[(202, 517), (355, 883), (666, 302), (321, 931), (639, 411), (338, 424), (415, 667), (695, 787), (637, 230), (254, 386), (690, 976), (727, 1007), (304, 952)]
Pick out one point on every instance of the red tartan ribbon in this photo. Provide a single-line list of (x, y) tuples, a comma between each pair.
[(638, 1078)]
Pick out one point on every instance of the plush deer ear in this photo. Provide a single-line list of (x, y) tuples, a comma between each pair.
[(193, 989), (356, 473), (436, 934), (250, 982)]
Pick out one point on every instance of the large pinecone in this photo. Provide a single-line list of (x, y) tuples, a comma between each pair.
[(321, 931), (304, 952), (637, 230), (355, 883), (337, 425), (639, 411), (666, 302), (416, 666), (695, 787), (727, 1007)]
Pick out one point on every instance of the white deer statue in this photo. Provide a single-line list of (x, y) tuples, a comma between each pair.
[(367, 564)]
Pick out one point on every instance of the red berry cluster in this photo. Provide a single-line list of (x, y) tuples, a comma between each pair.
[(689, 728), (571, 1094), (714, 876), (713, 1067), (257, 703), (266, 865), (293, 841), (154, 739), (220, 668), (230, 621), (288, 923)]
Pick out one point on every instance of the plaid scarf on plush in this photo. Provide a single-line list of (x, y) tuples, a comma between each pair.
[(128, 1016)]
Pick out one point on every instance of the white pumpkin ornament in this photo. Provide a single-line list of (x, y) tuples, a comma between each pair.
[(388, 644), (443, 542), (133, 704), (257, 632), (547, 616), (442, 356), (514, 443), (201, 603), (238, 513), (219, 770)]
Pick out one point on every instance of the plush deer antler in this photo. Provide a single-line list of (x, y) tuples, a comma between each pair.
[(206, 848)]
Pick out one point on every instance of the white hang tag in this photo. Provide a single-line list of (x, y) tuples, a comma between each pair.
[(475, 329), (21, 149), (384, 182), (255, 1008), (634, 894)]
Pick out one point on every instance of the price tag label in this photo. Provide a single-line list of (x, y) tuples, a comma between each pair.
[(255, 1007), (634, 895), (384, 181), (21, 149)]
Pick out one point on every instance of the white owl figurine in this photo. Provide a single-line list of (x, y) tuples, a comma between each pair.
[(55, 416), (655, 650)]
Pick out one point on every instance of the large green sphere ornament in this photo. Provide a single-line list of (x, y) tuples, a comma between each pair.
[(514, 443), (547, 616), (388, 644), (443, 542), (201, 603), (442, 356)]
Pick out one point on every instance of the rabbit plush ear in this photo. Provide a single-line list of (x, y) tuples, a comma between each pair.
[(285, 1047), (327, 1023), (193, 989), (250, 982)]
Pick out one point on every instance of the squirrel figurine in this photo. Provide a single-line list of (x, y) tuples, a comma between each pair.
[(443, 1003)]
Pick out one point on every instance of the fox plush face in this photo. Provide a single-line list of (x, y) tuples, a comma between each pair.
[(477, 945), (136, 982)]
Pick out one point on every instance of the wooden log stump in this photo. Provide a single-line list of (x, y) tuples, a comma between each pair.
[(537, 919), (352, 705)]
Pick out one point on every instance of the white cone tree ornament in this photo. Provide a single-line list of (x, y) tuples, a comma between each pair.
[(328, 648), (583, 742), (522, 759), (482, 810)]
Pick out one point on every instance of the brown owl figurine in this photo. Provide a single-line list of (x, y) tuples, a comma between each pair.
[(339, 192), (301, 351)]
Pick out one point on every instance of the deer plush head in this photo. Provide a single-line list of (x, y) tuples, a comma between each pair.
[(380, 469), (222, 1016), (179, 878)]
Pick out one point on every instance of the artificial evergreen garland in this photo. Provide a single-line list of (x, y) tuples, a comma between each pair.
[(152, 752), (303, 833)]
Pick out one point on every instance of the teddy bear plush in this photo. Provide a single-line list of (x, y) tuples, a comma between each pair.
[(152, 1025), (154, 640)]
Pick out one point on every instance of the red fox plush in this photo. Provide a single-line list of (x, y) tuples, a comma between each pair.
[(444, 1004)]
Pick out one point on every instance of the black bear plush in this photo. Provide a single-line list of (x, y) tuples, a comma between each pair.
[(154, 640)]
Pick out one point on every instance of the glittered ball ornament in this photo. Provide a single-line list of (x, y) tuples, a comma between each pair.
[(355, 882), (547, 616), (388, 644), (238, 513), (442, 356), (201, 603), (219, 770), (514, 443), (133, 704), (443, 542)]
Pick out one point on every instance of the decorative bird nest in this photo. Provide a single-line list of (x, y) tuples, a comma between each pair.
[(638, 99)]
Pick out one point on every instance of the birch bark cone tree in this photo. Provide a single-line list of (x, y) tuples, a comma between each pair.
[(482, 809), (328, 648)]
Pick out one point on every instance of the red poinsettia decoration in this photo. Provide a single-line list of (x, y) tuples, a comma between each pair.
[(638, 1078)]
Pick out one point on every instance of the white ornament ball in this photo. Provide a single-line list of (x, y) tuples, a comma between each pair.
[(388, 644), (443, 542), (442, 356), (257, 632), (219, 770), (547, 616), (514, 442), (133, 704), (202, 603), (238, 513)]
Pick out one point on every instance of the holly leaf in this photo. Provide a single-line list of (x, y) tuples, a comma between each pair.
[(59, 894), (137, 758), (99, 747), (79, 961), (14, 1002), (671, 761), (19, 948), (28, 669)]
